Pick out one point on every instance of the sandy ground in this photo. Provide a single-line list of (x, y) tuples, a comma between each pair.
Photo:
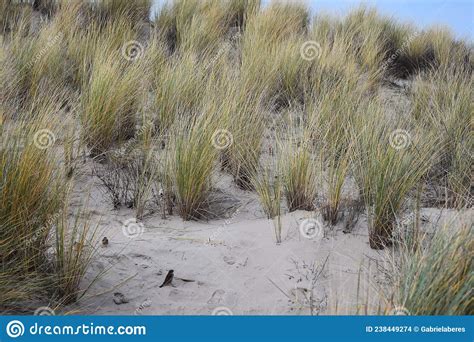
[(229, 265), (233, 262)]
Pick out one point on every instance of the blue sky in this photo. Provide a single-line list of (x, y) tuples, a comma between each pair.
[(458, 15)]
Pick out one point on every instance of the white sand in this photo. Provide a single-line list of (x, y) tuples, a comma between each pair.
[(234, 263)]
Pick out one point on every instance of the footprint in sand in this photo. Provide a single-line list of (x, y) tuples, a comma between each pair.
[(183, 296), (119, 298), (217, 297), (229, 260)]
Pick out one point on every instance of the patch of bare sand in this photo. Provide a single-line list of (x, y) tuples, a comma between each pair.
[(231, 263)]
